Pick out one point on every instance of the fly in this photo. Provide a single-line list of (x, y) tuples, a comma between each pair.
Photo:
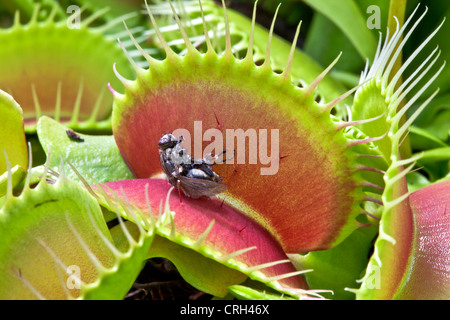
[(194, 177), (73, 135)]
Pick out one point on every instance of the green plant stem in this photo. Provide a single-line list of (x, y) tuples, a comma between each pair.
[(397, 9)]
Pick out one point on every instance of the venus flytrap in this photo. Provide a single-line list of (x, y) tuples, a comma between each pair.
[(58, 63), (135, 241), (218, 92), (12, 137), (304, 70), (38, 216), (12, 144), (61, 223), (399, 229)]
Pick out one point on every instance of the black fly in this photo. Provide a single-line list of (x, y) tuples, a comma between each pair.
[(194, 177), (73, 135)]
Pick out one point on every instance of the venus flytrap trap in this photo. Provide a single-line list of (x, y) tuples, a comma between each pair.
[(61, 223), (222, 79), (58, 63), (39, 216), (12, 142), (130, 247), (227, 83), (249, 248), (304, 70), (394, 256), (116, 9)]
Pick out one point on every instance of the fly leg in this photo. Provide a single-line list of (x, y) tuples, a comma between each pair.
[(210, 160), (178, 184), (179, 190)]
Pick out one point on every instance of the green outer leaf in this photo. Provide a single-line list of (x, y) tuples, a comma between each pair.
[(97, 156), (435, 155), (422, 139), (27, 7), (416, 180), (12, 136), (347, 16), (115, 282), (435, 119), (46, 219), (325, 41), (254, 291), (338, 268), (192, 266)]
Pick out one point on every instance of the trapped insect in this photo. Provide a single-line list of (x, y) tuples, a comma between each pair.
[(194, 177), (73, 135)]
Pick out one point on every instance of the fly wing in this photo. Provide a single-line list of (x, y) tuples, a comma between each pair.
[(168, 169), (196, 188)]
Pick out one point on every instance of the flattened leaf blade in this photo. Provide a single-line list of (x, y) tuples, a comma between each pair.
[(96, 156)]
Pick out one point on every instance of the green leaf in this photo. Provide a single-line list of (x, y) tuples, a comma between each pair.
[(422, 139), (435, 155), (347, 16), (96, 156), (416, 180), (338, 268), (251, 290), (192, 266), (133, 243), (325, 41), (41, 255), (435, 162)]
